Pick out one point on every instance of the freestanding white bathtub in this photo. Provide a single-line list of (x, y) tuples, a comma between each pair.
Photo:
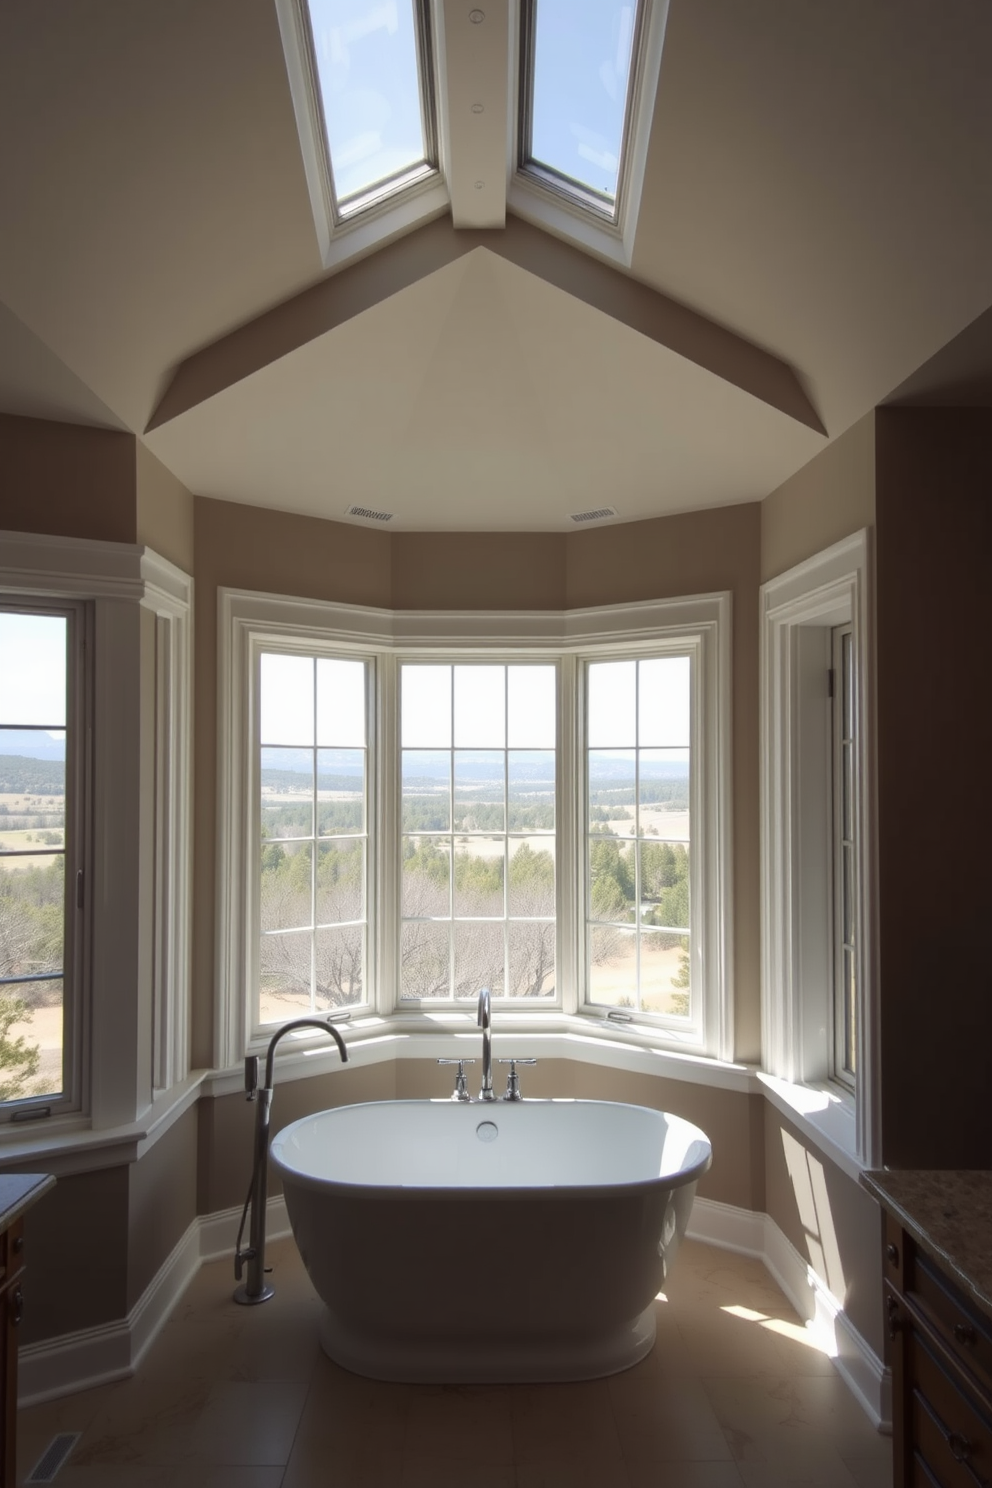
[(456, 1242)]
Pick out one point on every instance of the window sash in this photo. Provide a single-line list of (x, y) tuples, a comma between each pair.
[(844, 856), (30, 1105), (317, 932)]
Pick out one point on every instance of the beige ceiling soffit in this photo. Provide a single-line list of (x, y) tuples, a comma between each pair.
[(310, 314), (654, 315), (475, 71), (342, 296)]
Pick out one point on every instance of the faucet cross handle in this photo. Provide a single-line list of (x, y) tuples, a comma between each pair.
[(512, 1092), (460, 1091)]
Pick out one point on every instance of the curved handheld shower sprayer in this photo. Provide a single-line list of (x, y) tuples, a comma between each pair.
[(255, 1289)]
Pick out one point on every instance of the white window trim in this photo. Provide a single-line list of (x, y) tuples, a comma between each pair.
[(828, 589), (136, 1009), (244, 617), (554, 209)]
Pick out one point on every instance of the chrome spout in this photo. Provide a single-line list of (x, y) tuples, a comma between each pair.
[(484, 1020)]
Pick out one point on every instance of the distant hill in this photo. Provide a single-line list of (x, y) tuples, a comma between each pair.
[(32, 744), (21, 776)]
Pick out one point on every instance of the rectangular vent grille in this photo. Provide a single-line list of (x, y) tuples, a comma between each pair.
[(596, 515), (53, 1457), (368, 515)]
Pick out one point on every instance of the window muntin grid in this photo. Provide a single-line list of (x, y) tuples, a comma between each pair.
[(638, 792), (313, 834), (38, 789), (478, 864)]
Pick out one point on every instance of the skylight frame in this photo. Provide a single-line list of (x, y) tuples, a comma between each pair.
[(574, 213), (405, 200), (605, 209)]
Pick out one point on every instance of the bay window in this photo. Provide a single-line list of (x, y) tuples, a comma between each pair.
[(418, 806)]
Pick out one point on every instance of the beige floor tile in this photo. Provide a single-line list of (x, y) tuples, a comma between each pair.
[(590, 1472), (666, 1420), (248, 1422), (169, 1475), (319, 1465), (460, 1421), (871, 1472), (769, 1417), (684, 1475), (563, 1423), (822, 1468), (445, 1471)]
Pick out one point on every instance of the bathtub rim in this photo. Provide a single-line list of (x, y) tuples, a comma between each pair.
[(675, 1178)]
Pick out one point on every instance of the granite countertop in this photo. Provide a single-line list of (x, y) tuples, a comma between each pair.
[(949, 1214), (18, 1191)]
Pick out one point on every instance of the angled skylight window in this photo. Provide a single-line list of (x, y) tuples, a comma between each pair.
[(372, 65), (576, 76)]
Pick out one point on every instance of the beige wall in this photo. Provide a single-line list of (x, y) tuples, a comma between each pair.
[(66, 481), (831, 497), (164, 510), (833, 1223)]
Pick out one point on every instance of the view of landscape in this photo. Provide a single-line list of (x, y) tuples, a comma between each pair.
[(32, 910), (477, 853)]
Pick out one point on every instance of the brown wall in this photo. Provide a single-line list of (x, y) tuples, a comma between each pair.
[(76, 1242), (732, 1120), (161, 1202), (164, 510), (66, 481), (701, 552), (934, 559), (833, 1223), (831, 497)]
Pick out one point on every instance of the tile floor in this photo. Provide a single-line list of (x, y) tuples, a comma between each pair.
[(732, 1396)]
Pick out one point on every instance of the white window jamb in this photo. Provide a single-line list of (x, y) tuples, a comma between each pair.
[(799, 609)]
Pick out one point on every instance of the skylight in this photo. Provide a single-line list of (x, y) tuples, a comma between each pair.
[(575, 95), (371, 61)]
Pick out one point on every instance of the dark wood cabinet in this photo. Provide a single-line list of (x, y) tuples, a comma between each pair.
[(17, 1194), (941, 1357)]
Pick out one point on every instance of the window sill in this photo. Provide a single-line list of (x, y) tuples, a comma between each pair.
[(823, 1114), (74, 1145), (553, 1035)]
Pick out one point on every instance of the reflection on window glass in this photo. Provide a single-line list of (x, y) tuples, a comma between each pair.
[(34, 651), (369, 79), (581, 69), (478, 855), (638, 862), (313, 829)]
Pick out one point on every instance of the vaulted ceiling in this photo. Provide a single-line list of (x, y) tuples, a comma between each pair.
[(815, 233)]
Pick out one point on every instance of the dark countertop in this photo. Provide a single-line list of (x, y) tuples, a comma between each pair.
[(18, 1191), (949, 1214)]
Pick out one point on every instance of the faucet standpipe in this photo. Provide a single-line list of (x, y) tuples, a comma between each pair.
[(484, 1020), (256, 1289)]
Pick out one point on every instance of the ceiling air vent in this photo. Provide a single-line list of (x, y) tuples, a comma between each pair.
[(368, 515), (596, 515)]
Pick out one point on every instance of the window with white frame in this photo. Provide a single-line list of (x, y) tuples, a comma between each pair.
[(43, 805), (478, 769), (313, 831), (465, 798), (638, 777), (817, 1014), (94, 915)]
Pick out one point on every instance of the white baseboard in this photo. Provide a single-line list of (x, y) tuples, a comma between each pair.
[(748, 1233), (95, 1356)]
